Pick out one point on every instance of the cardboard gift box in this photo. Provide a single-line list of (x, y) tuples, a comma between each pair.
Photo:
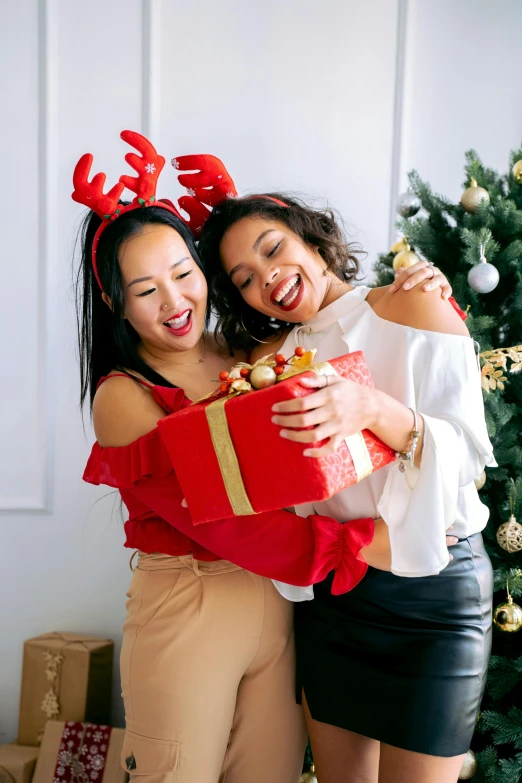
[(17, 763), (230, 459), (65, 676), (73, 752)]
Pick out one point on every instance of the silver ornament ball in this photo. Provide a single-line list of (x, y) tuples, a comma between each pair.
[(483, 277), (408, 204)]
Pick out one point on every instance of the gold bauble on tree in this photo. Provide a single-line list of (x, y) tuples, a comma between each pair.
[(469, 766), (508, 616), (480, 480), (399, 246), (473, 196), (405, 259), (517, 170), (509, 535), (308, 777)]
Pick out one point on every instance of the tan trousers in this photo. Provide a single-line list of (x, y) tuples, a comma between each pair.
[(207, 668)]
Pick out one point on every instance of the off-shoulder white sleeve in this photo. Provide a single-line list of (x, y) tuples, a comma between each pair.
[(420, 504)]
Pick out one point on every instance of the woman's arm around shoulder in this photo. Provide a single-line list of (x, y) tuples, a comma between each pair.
[(418, 309), (123, 411)]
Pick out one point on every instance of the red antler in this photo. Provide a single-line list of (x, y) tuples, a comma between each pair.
[(210, 184), (91, 193), (148, 167)]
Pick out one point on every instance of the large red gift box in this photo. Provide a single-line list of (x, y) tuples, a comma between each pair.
[(230, 459)]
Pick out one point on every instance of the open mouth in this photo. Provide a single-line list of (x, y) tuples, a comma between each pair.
[(289, 293), (180, 324)]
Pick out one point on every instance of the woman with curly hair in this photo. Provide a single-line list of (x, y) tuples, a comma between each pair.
[(391, 674)]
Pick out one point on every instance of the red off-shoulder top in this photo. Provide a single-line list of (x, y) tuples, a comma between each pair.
[(277, 544)]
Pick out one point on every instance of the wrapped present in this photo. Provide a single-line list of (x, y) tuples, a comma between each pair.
[(230, 459), (65, 676), (17, 763), (74, 752)]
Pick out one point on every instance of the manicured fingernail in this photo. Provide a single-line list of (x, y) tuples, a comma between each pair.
[(392, 288), (427, 287), (284, 433), (274, 419), (406, 286), (275, 408), (451, 557), (306, 454)]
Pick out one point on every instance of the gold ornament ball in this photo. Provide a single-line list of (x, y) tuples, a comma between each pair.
[(308, 777), (509, 535), (473, 196), (405, 259), (469, 767), (480, 480), (262, 376), (517, 170), (400, 245), (508, 616)]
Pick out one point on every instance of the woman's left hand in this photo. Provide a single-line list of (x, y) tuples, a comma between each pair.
[(340, 408), (419, 273)]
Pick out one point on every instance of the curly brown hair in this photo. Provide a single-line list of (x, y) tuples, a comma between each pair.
[(236, 320)]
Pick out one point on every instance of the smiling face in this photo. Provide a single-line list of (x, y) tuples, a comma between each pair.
[(165, 291), (275, 271)]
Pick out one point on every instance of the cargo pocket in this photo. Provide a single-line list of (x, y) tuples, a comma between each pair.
[(156, 758)]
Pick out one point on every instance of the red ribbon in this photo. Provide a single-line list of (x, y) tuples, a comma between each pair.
[(82, 753)]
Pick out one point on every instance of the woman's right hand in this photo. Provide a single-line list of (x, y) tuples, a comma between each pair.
[(378, 553)]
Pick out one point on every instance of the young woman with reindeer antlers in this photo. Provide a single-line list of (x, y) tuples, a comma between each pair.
[(391, 674), (207, 661)]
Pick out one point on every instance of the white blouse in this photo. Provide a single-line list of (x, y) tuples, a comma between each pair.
[(437, 375)]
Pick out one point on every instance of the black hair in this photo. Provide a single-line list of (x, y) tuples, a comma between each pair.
[(106, 340), (237, 322)]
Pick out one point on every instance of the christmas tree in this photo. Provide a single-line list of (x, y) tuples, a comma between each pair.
[(458, 238)]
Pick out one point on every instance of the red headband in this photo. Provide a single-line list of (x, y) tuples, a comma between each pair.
[(148, 167)]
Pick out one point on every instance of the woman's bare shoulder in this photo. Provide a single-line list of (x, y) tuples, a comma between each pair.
[(123, 411), (425, 310)]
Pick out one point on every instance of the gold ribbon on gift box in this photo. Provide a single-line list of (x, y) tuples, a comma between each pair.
[(224, 447)]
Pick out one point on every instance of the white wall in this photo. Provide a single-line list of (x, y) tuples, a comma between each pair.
[(292, 94)]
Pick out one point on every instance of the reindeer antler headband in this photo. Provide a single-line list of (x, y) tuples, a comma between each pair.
[(208, 185), (148, 166)]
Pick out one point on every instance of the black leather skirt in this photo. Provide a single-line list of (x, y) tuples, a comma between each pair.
[(401, 660)]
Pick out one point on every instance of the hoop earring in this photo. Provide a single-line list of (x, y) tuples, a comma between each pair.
[(264, 342)]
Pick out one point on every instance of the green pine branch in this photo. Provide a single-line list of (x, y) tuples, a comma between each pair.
[(493, 770), (505, 729), (511, 575), (444, 233), (504, 675)]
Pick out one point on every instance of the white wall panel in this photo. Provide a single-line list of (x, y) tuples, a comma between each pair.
[(463, 87), (22, 309), (296, 95)]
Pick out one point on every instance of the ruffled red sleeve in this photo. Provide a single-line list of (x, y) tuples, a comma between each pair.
[(276, 544), (121, 467)]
